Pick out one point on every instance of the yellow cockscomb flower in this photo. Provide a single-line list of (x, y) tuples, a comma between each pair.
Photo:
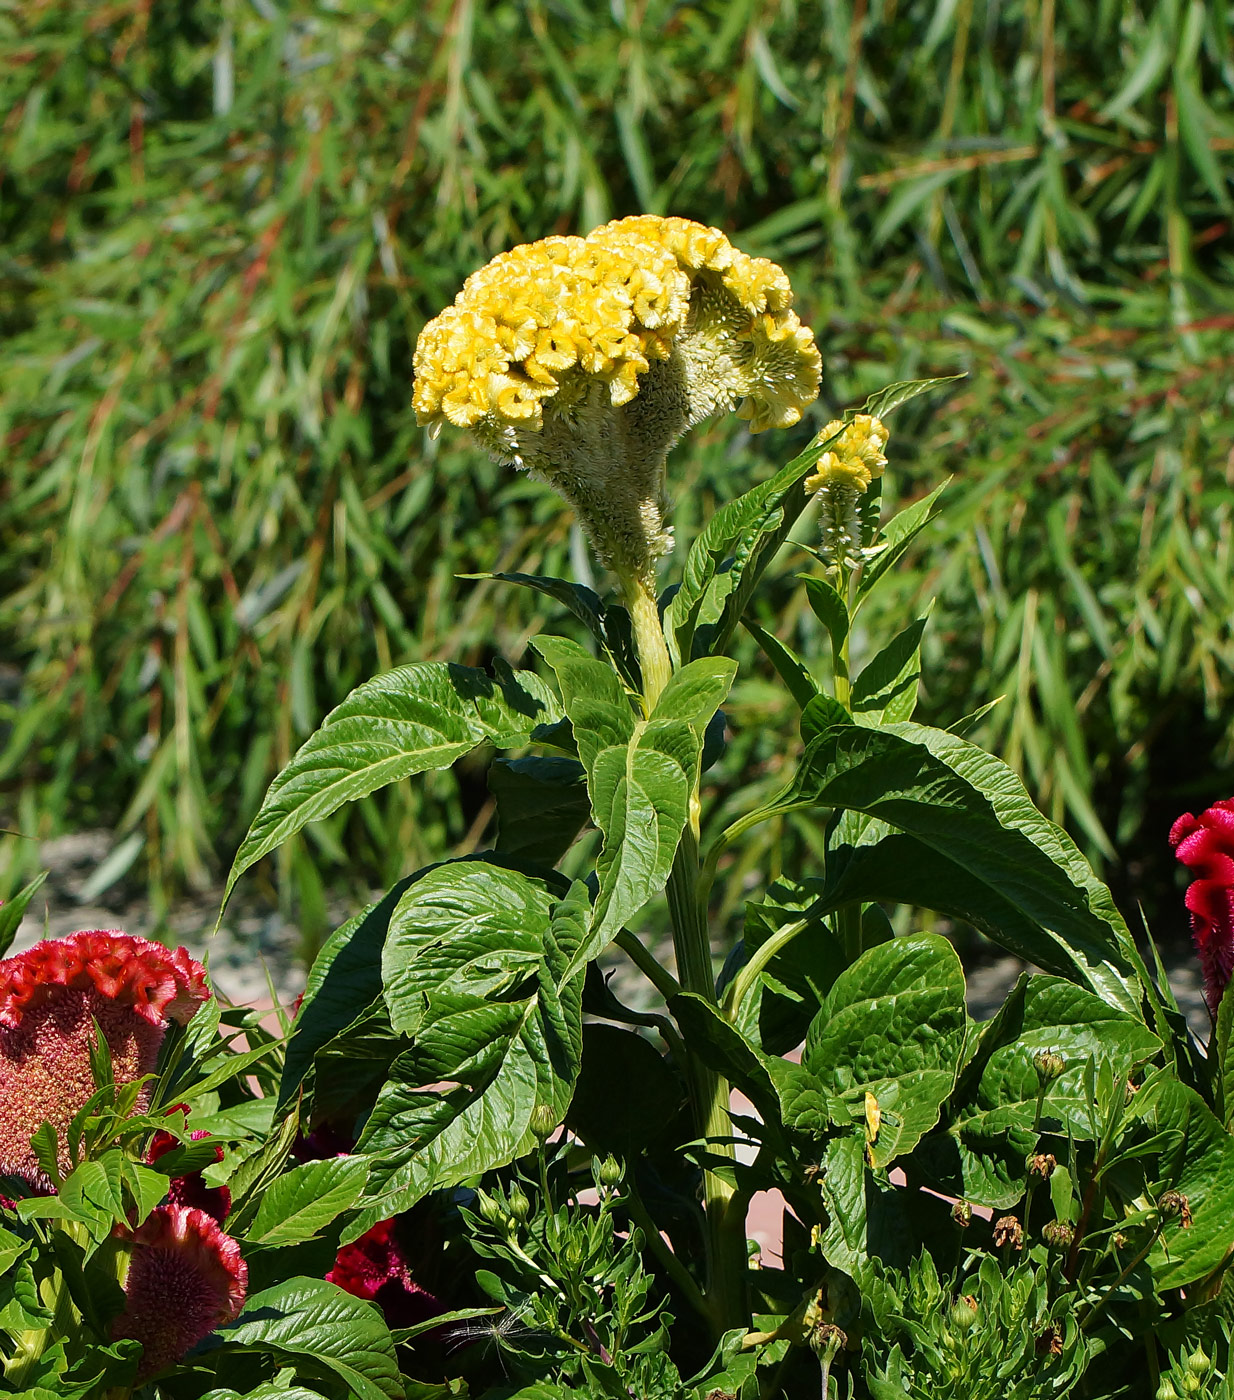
[(585, 359)]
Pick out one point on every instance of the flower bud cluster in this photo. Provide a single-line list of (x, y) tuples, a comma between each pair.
[(840, 480)]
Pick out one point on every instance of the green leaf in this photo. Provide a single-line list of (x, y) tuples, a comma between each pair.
[(468, 927), (969, 842), (12, 912), (991, 1122), (889, 399), (723, 1048), (412, 719), (628, 1096), (609, 624), (461, 1100), (866, 1218), (542, 805), (830, 609), (310, 1320), (892, 1026), (886, 689), (640, 773), (727, 558), (1199, 1162), (303, 1201), (789, 666), (895, 537), (345, 978), (1223, 1059)]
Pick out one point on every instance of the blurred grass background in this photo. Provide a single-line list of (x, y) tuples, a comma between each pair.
[(223, 223)]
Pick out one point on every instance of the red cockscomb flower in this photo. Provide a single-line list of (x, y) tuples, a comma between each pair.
[(375, 1268), (185, 1278), (1205, 845), (191, 1189), (50, 996)]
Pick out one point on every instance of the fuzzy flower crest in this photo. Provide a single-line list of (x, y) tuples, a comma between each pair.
[(185, 1278), (51, 996), (585, 359), (1205, 845), (855, 459)]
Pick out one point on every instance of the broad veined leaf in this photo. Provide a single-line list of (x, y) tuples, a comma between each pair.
[(344, 979), (891, 1026), (408, 721), (887, 400), (316, 1323), (542, 805), (640, 773), (867, 1218), (468, 927), (886, 689), (1198, 1161), (972, 845), (303, 1201), (980, 1153), (461, 1100)]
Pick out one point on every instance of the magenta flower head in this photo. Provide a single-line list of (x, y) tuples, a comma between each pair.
[(50, 996), (375, 1268), (1205, 845), (185, 1278)]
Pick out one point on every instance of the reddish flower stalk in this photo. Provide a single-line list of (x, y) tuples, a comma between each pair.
[(50, 996), (375, 1268), (185, 1278), (1205, 845)]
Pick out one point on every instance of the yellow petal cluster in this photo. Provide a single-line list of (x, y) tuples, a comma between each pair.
[(537, 319), (855, 459), (585, 359)]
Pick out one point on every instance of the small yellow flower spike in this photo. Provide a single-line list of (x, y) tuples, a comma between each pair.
[(855, 459), (844, 472), (583, 360)]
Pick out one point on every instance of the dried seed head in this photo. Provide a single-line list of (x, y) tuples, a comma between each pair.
[(1059, 1234), (1008, 1231), (1173, 1205), (1041, 1165)]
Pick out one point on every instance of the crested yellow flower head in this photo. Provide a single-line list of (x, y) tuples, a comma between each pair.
[(585, 359), (855, 459)]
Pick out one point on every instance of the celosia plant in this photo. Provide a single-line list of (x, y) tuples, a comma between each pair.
[(185, 1277), (1205, 845), (191, 1188), (585, 359), (51, 998), (376, 1268)]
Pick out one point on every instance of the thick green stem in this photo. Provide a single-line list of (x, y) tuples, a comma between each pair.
[(725, 1221)]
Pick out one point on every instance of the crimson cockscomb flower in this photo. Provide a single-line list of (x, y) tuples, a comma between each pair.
[(50, 996), (375, 1268), (191, 1189), (1205, 845), (185, 1278)]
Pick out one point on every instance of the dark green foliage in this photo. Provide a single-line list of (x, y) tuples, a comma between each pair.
[(223, 225)]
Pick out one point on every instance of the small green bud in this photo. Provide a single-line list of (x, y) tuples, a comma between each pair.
[(490, 1209), (1199, 1364), (543, 1121), (572, 1254), (1166, 1391), (963, 1314), (1050, 1065), (1191, 1384), (610, 1172), (520, 1206), (827, 1341)]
